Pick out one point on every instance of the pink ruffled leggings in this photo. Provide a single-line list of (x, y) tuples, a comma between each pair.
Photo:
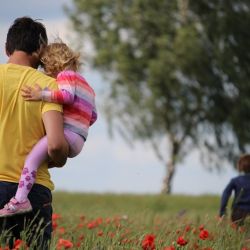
[(39, 154)]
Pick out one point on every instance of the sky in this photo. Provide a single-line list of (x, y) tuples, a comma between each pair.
[(105, 164)]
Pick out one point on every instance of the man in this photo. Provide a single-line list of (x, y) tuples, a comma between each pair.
[(22, 124)]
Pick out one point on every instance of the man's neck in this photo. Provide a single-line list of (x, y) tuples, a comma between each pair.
[(22, 58)]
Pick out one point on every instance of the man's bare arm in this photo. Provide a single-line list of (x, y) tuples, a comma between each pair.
[(57, 146)]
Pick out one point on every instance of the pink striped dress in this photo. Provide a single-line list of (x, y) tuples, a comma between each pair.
[(78, 100)]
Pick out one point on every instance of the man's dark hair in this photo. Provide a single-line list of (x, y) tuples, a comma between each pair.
[(26, 35)]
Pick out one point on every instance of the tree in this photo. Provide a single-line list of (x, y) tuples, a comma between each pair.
[(178, 73)]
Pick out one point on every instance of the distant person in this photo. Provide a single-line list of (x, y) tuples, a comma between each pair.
[(22, 125), (78, 100), (241, 187)]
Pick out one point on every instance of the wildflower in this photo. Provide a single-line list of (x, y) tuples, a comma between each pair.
[(82, 217), (160, 242), (125, 241), (233, 225), (181, 241), (61, 230), (99, 221), (111, 234), (100, 233), (95, 223), (56, 216), (18, 244), (80, 225), (148, 242), (91, 225), (81, 237), (54, 225), (108, 220), (187, 228), (78, 244), (196, 245), (169, 248), (203, 234), (64, 244)]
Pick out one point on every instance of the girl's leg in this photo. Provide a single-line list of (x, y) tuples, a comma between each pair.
[(38, 154), (75, 142)]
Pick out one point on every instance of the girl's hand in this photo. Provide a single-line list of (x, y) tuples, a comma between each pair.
[(32, 94)]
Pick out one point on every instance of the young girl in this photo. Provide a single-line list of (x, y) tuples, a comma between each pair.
[(78, 100)]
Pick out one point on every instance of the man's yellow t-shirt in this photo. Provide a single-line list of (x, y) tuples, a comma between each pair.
[(21, 124)]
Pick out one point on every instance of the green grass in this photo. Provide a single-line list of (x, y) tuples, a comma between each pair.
[(113, 222), (111, 203)]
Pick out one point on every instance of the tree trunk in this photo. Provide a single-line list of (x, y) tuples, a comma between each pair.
[(170, 169), (167, 182)]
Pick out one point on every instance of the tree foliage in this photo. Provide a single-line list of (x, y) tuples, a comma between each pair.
[(179, 70)]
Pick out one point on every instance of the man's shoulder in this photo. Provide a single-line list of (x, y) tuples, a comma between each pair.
[(42, 79), (41, 74), (238, 179)]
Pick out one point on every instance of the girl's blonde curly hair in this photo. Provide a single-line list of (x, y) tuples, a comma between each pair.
[(57, 57)]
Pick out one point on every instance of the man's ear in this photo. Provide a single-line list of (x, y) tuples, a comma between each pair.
[(38, 53)]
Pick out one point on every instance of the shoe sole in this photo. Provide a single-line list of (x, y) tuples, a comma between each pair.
[(24, 211)]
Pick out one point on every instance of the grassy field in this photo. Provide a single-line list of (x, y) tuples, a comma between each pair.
[(91, 221), (113, 222)]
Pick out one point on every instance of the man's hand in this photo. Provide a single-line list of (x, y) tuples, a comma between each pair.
[(51, 164), (32, 94)]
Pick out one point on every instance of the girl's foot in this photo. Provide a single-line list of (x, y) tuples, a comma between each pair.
[(14, 207)]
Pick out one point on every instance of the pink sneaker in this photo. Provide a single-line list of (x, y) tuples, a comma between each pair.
[(14, 207)]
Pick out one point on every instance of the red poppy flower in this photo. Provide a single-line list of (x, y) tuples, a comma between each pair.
[(99, 221), (56, 216), (196, 245), (111, 234), (80, 225), (169, 248), (181, 241), (54, 225), (91, 225), (148, 243), (204, 234), (187, 228), (18, 244), (82, 217), (64, 244), (100, 233), (108, 220), (81, 237)]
